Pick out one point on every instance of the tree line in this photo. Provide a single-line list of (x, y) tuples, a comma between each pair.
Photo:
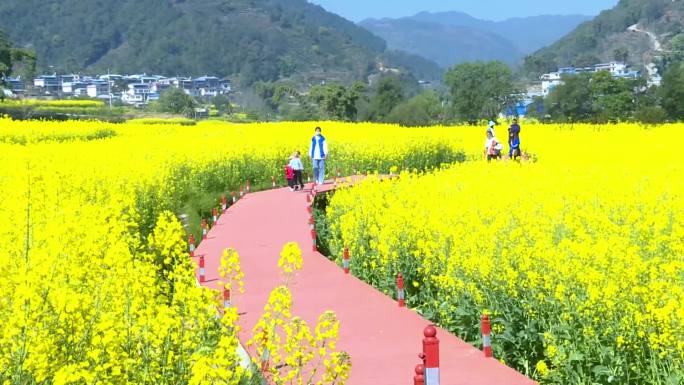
[(601, 98), (13, 61), (478, 91)]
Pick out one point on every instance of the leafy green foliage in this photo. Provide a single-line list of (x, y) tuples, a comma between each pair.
[(176, 101), (672, 91), (480, 90), (337, 101), (14, 59), (587, 97), (424, 109), (389, 93)]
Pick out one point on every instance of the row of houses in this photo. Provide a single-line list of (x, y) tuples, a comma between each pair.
[(617, 69), (130, 89)]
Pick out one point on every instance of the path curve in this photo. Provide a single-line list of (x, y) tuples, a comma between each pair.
[(382, 339), (652, 36)]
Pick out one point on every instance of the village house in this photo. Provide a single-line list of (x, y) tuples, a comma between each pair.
[(136, 94), (617, 69), (48, 84)]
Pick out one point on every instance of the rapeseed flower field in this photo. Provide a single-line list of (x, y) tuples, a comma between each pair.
[(95, 282), (577, 255)]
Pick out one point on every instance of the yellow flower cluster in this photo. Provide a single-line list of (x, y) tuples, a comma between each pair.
[(230, 271), (81, 103), (95, 282), (579, 254), (287, 351)]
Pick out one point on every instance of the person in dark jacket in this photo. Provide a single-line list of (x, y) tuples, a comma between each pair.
[(514, 151)]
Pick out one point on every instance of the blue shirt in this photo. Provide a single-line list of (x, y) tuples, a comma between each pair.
[(296, 164)]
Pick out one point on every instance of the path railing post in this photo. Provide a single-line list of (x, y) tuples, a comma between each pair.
[(312, 222), (205, 229), (191, 245), (431, 355), (419, 378), (214, 215), (249, 186), (232, 194), (224, 202), (400, 291), (313, 238), (202, 271), (345, 261), (273, 182), (486, 337), (226, 297)]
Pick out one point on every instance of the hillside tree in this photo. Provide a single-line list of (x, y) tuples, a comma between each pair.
[(480, 90), (389, 93), (176, 101), (672, 91)]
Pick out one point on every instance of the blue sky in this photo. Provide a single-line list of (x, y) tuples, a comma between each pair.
[(357, 10)]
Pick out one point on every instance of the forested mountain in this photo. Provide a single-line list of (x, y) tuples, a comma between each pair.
[(453, 37), (257, 39), (446, 45), (636, 31)]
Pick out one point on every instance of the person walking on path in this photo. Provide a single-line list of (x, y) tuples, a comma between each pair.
[(514, 140), (318, 154), (298, 168)]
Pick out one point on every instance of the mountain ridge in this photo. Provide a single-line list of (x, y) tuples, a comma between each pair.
[(252, 39), (476, 39), (624, 33)]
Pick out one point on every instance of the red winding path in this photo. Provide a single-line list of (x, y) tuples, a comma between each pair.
[(382, 339)]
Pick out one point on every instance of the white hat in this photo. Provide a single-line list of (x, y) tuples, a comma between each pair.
[(491, 123)]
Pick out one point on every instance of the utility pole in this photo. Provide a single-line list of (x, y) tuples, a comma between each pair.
[(109, 88)]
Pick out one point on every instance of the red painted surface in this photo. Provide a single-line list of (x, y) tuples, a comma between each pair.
[(383, 340)]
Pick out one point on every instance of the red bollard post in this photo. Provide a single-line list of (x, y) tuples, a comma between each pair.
[(232, 194), (312, 222), (345, 261), (313, 237), (309, 209), (224, 202), (205, 229), (226, 297), (273, 182), (400, 291), (191, 245), (431, 354), (202, 277), (249, 186), (335, 183), (308, 198), (419, 378), (214, 214), (486, 337), (242, 191), (339, 174)]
